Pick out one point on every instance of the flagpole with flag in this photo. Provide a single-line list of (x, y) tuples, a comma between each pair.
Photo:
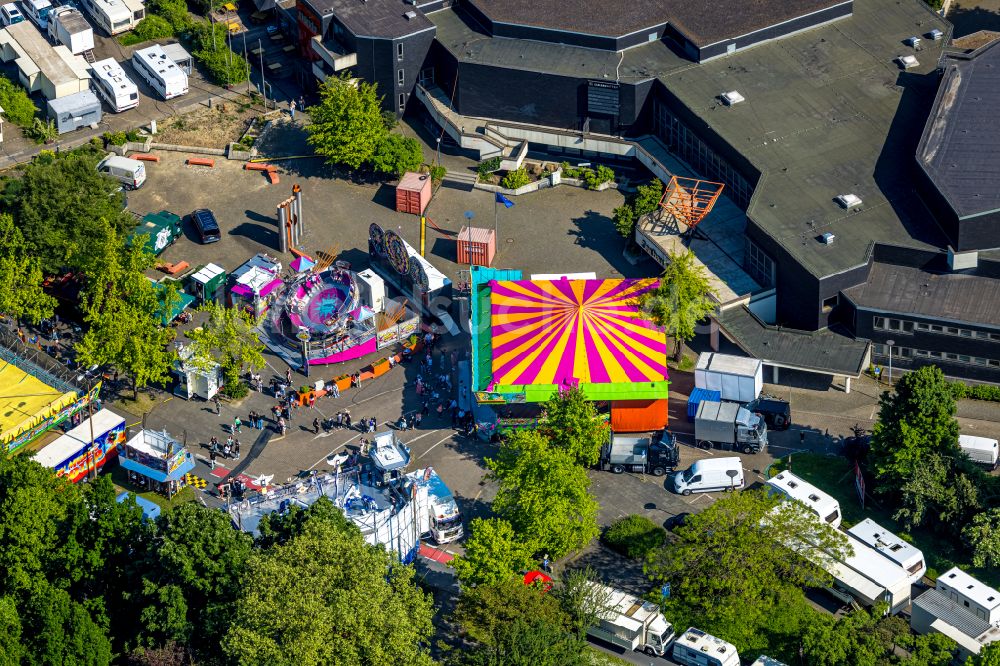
[(507, 203)]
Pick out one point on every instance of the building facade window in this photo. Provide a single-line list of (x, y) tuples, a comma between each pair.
[(942, 329), (890, 324), (759, 265), (427, 77), (399, 51), (400, 77), (697, 153), (402, 102), (898, 352), (830, 303)]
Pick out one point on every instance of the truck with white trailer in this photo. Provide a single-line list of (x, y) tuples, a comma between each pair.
[(67, 26), (737, 378), (981, 450), (644, 455), (627, 621), (442, 521), (729, 426)]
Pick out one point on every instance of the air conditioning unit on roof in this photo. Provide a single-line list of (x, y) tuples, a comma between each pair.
[(935, 34), (828, 238), (732, 97), (907, 61), (849, 200)]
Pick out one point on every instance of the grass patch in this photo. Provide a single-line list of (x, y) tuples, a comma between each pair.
[(686, 364), (835, 475), (146, 401), (119, 476)]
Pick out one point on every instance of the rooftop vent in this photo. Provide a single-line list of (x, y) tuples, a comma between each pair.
[(732, 97), (849, 200), (907, 61), (913, 41), (827, 238), (935, 34), (410, 15)]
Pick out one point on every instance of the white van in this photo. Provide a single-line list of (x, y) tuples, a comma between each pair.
[(10, 14), (792, 487), (131, 173), (710, 474), (981, 450), (891, 546), (38, 11)]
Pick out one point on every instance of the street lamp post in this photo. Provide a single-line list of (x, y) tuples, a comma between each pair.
[(439, 151), (890, 343)]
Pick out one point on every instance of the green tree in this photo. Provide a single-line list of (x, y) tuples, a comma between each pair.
[(57, 630), (396, 154), (544, 494), (327, 597), (682, 298), (732, 565), (11, 650), (347, 126), (634, 536), (195, 565), (928, 649), (936, 493), (22, 296), (647, 198), (228, 338), (493, 553), (915, 420), (278, 528), (66, 227), (17, 105), (583, 599), (624, 218), (982, 535), (573, 425), (515, 178), (516, 625), (988, 656)]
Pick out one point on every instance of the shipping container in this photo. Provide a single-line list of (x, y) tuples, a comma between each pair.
[(413, 193), (476, 246), (638, 415), (738, 378), (697, 395)]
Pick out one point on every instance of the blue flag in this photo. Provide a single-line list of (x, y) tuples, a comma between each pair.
[(501, 199)]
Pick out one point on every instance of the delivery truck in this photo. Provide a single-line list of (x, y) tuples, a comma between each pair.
[(737, 378), (645, 455), (728, 426), (629, 622), (67, 26)]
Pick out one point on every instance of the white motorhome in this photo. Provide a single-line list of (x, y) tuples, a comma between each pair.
[(160, 72), (114, 85), (868, 577), (891, 546), (38, 12), (979, 598), (115, 16), (981, 450), (795, 488), (629, 622), (696, 648), (710, 474)]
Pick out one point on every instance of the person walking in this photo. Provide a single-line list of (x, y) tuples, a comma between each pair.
[(218, 403), (236, 449), (288, 376), (237, 425), (291, 108), (282, 426), (316, 426), (211, 456), (417, 418), (312, 401), (335, 391)]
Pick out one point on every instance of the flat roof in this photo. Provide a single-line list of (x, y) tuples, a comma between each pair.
[(827, 350), (374, 18), (68, 444), (799, 489), (943, 608), (23, 396), (960, 146), (826, 112), (701, 21), (958, 297), (899, 551), (46, 57), (73, 21)]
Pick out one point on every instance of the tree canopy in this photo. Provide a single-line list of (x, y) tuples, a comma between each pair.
[(544, 494), (682, 298), (573, 425), (22, 296), (493, 553)]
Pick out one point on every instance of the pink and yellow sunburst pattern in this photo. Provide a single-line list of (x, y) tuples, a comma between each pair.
[(574, 331)]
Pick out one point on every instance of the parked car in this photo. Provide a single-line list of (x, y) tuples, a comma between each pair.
[(10, 14), (777, 413), (206, 225)]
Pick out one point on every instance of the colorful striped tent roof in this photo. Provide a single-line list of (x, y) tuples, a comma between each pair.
[(561, 332)]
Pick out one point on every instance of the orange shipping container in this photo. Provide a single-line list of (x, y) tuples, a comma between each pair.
[(638, 415), (413, 193), (476, 246)]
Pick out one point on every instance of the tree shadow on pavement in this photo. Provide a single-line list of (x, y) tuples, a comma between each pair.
[(614, 569), (597, 232)]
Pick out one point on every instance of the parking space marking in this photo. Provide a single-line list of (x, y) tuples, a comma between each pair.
[(432, 448), (429, 432)]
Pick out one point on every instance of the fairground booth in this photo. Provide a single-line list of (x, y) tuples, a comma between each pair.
[(255, 284), (531, 338), (156, 461)]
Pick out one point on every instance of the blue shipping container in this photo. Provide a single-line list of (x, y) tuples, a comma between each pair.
[(697, 395)]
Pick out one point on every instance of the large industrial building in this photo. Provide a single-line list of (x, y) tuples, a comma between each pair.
[(858, 148)]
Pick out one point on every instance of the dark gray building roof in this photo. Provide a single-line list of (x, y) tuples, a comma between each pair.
[(940, 606), (960, 146), (383, 19), (827, 112), (956, 297), (825, 350), (703, 22)]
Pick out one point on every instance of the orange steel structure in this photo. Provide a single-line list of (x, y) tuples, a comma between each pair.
[(689, 200)]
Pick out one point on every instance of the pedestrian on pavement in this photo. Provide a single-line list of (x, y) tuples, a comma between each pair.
[(211, 457), (312, 401), (291, 108), (288, 376), (347, 419), (335, 391), (282, 426), (316, 426), (402, 422), (218, 404), (302, 103), (236, 449), (417, 418), (364, 446), (227, 449), (546, 564)]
